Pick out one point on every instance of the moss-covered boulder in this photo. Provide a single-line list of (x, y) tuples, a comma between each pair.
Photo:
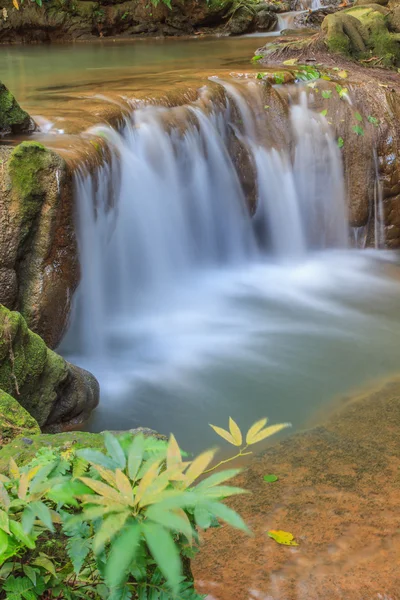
[(57, 394), (363, 31), (14, 420), (39, 268), (12, 118)]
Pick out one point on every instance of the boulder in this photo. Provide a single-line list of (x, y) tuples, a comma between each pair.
[(14, 420), (265, 20), (13, 119), (241, 21), (39, 268), (57, 394)]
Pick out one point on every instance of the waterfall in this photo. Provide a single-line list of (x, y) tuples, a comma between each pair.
[(165, 230)]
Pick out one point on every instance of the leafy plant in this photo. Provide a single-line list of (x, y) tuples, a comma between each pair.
[(307, 73), (358, 130), (128, 515), (257, 433)]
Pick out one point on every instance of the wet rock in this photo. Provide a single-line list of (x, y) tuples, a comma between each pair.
[(38, 255), (313, 18), (12, 118), (265, 20), (242, 21), (337, 493), (57, 394), (14, 420)]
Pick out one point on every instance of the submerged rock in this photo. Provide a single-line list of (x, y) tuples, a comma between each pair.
[(57, 394), (12, 118), (337, 493), (14, 420)]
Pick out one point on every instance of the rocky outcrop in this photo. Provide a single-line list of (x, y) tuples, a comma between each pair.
[(38, 256), (12, 118), (57, 394), (14, 420), (86, 19)]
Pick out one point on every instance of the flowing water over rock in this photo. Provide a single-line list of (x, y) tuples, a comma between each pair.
[(191, 308)]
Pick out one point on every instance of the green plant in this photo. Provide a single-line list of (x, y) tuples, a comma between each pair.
[(129, 515)]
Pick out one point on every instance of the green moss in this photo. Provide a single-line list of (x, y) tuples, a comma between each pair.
[(24, 448), (12, 117), (28, 369), (338, 43), (27, 164), (14, 420)]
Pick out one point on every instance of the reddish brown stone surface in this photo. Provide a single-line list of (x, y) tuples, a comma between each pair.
[(338, 493)]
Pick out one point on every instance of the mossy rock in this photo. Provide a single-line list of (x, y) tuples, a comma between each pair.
[(48, 387), (12, 118), (14, 420), (363, 31)]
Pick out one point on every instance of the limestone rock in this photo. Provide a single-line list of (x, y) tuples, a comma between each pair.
[(14, 420), (57, 394)]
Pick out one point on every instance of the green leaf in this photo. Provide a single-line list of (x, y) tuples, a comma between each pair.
[(373, 120), (169, 520), (28, 520), (66, 493), (109, 529), (260, 75), (135, 456), (257, 57), (358, 116), (217, 478), (164, 552), (122, 554), (228, 515), (358, 130), (202, 517), (340, 142), (324, 112), (30, 573), (97, 458), (3, 542), (6, 569), (46, 564), (326, 93), (4, 521), (78, 549), (17, 530), (122, 593), (270, 478), (43, 514), (115, 450)]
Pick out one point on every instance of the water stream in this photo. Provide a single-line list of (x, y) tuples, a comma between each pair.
[(190, 309)]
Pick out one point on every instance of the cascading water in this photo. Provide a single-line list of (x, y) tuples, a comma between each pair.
[(188, 304)]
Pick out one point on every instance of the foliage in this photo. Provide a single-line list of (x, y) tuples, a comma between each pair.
[(307, 73), (257, 433), (129, 515), (282, 537)]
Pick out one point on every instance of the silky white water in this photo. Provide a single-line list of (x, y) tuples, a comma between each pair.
[(191, 310)]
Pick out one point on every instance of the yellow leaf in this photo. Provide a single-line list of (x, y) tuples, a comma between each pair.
[(254, 429), (290, 62), (224, 434), (23, 486), (4, 479), (106, 474), (235, 432), (198, 466), (124, 485), (4, 497), (174, 456), (264, 433), (146, 481), (282, 537), (343, 74), (33, 472), (14, 471), (15, 4), (103, 490)]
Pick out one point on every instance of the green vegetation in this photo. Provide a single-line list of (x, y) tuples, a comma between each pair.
[(78, 522), (14, 420)]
